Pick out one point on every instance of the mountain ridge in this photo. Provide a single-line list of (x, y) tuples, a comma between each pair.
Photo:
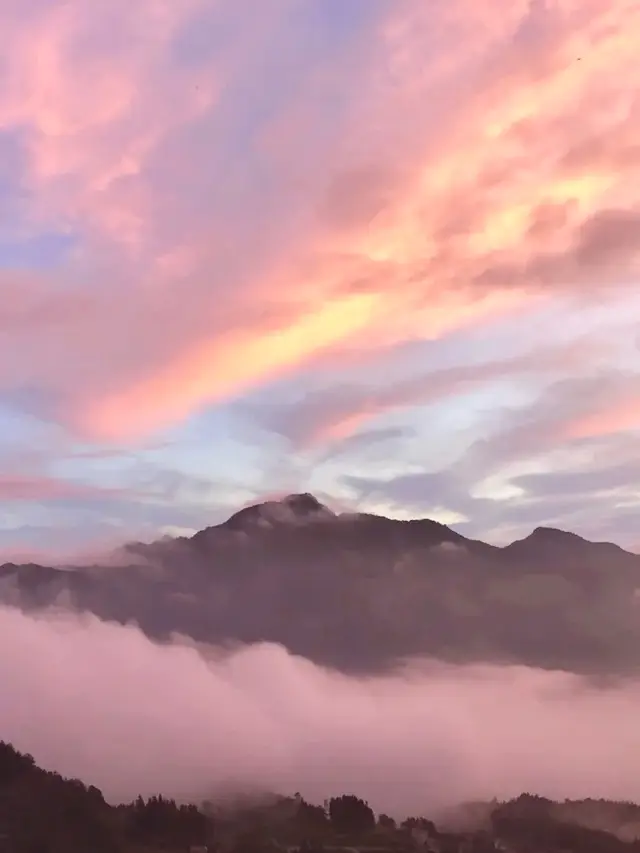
[(362, 592), (315, 507)]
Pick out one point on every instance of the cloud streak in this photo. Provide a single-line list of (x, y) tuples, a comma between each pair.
[(517, 175), (336, 412)]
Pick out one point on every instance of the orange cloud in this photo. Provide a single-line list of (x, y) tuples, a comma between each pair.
[(479, 145), (223, 367)]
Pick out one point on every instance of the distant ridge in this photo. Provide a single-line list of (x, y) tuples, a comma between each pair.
[(361, 592)]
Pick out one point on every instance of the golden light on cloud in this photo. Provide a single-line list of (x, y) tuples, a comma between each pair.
[(225, 367), (468, 115)]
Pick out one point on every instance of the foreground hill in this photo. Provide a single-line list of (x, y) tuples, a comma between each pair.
[(360, 591), (42, 812)]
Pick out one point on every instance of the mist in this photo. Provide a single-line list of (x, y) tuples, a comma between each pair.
[(104, 703)]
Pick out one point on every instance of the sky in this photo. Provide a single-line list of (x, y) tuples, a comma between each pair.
[(386, 251)]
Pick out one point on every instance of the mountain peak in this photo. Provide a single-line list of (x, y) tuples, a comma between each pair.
[(547, 543), (553, 535), (304, 503), (546, 540), (292, 509)]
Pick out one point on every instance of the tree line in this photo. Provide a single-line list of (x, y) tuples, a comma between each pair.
[(43, 812)]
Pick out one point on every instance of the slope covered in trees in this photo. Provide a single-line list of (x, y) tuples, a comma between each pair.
[(42, 812)]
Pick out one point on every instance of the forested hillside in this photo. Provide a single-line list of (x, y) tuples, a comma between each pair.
[(42, 812)]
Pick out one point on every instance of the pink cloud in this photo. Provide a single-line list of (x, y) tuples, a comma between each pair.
[(621, 416), (341, 410), (16, 488), (424, 211)]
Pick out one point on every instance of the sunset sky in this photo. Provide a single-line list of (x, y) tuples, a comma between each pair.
[(386, 251)]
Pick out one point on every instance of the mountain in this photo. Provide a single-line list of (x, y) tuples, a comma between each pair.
[(359, 591)]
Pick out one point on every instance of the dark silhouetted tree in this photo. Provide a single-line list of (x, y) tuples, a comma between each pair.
[(351, 815), (311, 817), (419, 823)]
